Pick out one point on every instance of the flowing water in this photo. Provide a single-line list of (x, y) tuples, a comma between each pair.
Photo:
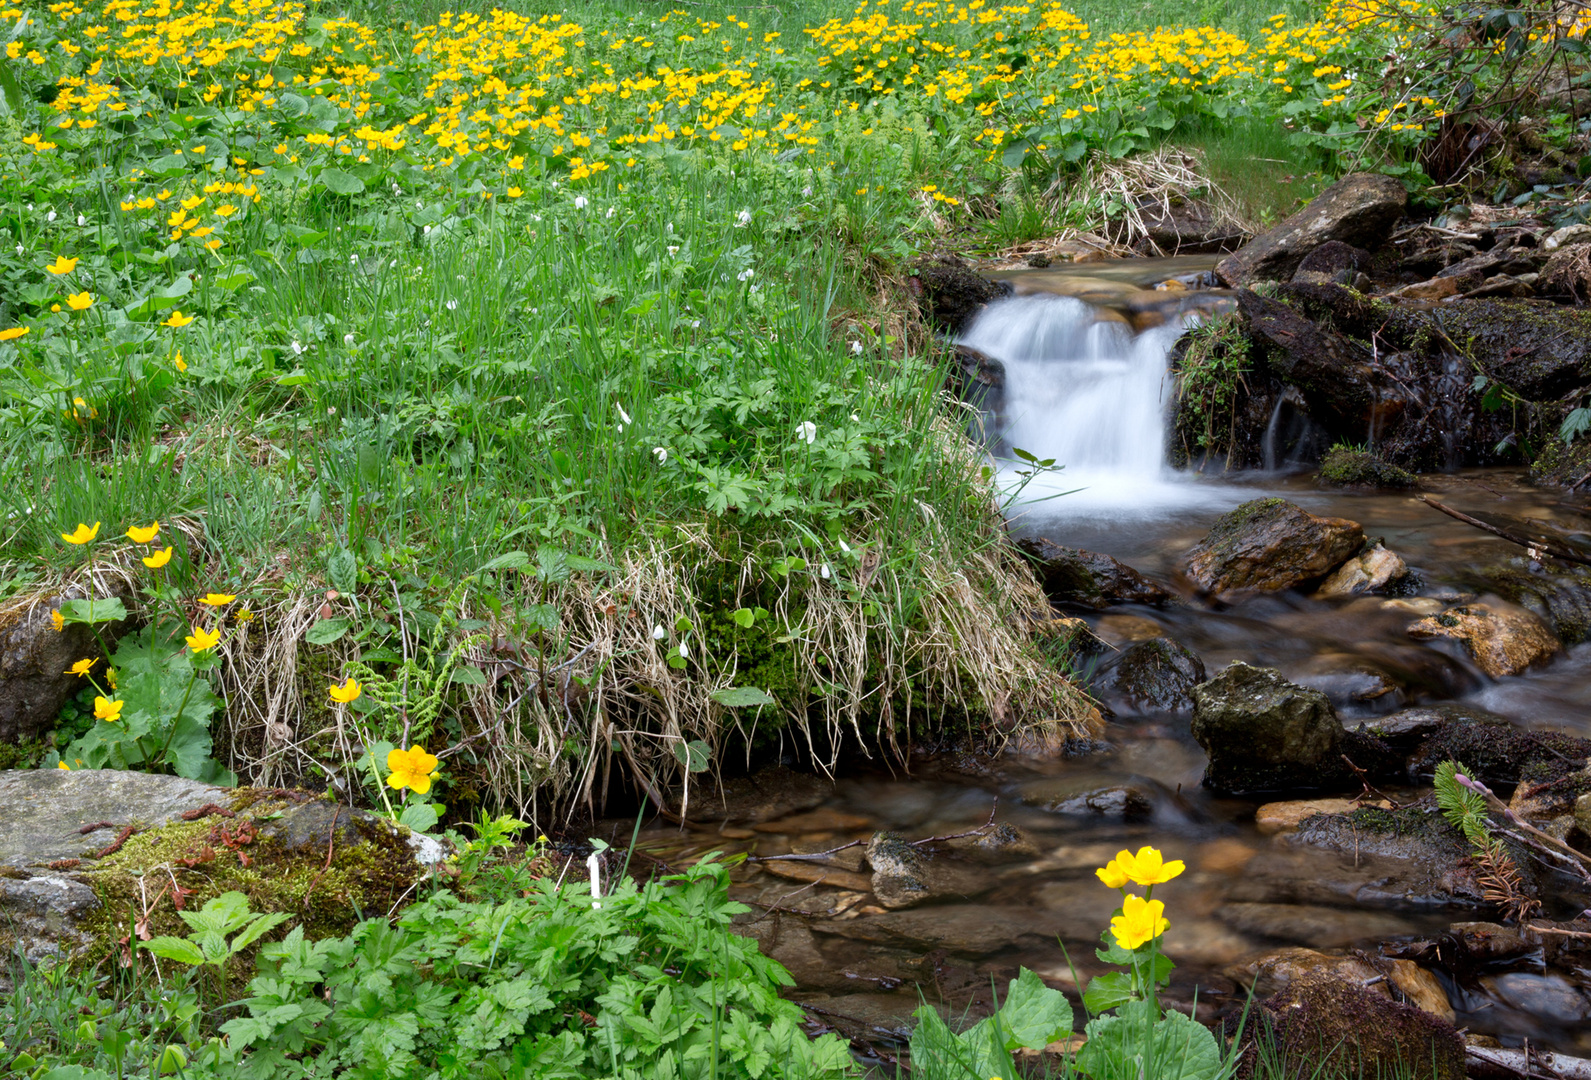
[(1081, 387)]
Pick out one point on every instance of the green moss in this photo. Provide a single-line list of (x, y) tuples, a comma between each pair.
[(1351, 466)]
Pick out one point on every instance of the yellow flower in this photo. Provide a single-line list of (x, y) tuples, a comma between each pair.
[(143, 534), (177, 320), (108, 710), (179, 362), (80, 301), (12, 333), (62, 265), (202, 640), (63, 765), (1147, 868), (158, 559), (216, 599), (411, 768), (82, 667), (57, 620), (345, 693), (1140, 921), (515, 192), (82, 534)]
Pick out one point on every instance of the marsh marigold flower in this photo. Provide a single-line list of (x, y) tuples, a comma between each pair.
[(12, 333), (108, 710), (1147, 868), (82, 667), (158, 559), (1140, 921), (202, 640), (58, 620), (80, 301), (142, 534), (178, 320), (342, 695), (63, 765), (411, 768), (82, 534), (216, 599), (62, 265)]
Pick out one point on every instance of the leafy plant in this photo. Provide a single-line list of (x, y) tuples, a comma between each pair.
[(1032, 1016), (222, 929)]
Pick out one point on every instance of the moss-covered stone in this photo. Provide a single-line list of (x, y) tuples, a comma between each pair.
[(1347, 466)]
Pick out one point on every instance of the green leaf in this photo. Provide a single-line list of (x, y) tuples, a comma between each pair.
[(468, 675), (94, 611), (741, 697), (1109, 991), (419, 816), (695, 755), (743, 617), (326, 631), (342, 571), (508, 560), (10, 89), (174, 948), (341, 183), (263, 924), (1130, 1046), (1034, 1015), (1012, 158)]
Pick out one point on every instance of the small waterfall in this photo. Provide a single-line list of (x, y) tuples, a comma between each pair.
[(1081, 388)]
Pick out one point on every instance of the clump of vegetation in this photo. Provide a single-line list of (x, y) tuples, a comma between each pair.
[(1347, 465), (1214, 358)]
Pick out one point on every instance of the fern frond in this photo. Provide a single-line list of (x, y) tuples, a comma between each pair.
[(1462, 806)]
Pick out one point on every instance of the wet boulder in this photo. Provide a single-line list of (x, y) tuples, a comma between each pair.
[(1186, 227), (1084, 796), (1371, 570), (1539, 351), (1559, 594), (1157, 675), (1347, 467), (1395, 979), (1332, 261), (1502, 640), (1497, 753), (766, 795), (1360, 210), (1269, 544), (1410, 855), (1087, 578), (905, 876), (34, 656), (1263, 733), (949, 293), (1325, 1023)]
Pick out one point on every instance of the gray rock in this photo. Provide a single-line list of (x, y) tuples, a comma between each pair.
[(47, 808), (1582, 814), (905, 876), (1359, 209), (1085, 797), (1318, 927), (1262, 732), (1332, 261), (1157, 675), (1089, 579), (34, 657), (1550, 997), (1419, 857), (1560, 595), (1269, 544), (765, 795)]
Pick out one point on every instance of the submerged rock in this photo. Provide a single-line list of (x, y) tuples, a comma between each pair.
[(767, 794), (1503, 641), (1083, 796), (1359, 210), (1089, 579), (1263, 733), (1328, 927), (1560, 595), (905, 876), (1269, 544), (1414, 855), (1276, 971), (1157, 675), (1366, 572)]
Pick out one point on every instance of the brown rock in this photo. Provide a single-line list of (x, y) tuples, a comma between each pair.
[(1269, 544), (1275, 971), (1503, 640), (767, 794), (1366, 572), (34, 657), (1088, 578), (1438, 288), (1276, 817), (819, 874), (1359, 209), (815, 821)]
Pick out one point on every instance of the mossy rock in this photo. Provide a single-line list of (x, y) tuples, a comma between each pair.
[(69, 896), (1347, 467)]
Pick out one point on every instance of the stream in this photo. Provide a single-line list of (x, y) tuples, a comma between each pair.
[(1086, 383)]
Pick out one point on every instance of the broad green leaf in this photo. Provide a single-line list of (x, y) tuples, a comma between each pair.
[(94, 611), (695, 755), (419, 816), (341, 183), (174, 948), (1033, 1015), (468, 675), (1130, 1046), (741, 697), (743, 617), (326, 631), (508, 560)]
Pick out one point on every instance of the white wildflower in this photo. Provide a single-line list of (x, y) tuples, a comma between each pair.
[(684, 651), (611, 211), (856, 348), (743, 219), (845, 547), (50, 216), (622, 414), (825, 572), (662, 454), (658, 633), (594, 869), (348, 339), (673, 249), (298, 350), (807, 191), (353, 260), (81, 221), (745, 275), (807, 432), (581, 202), (452, 305)]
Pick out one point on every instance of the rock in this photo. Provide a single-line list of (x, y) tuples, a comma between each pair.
[(1344, 466), (1262, 732), (1568, 236), (949, 293), (1089, 579), (1084, 797), (765, 795), (1269, 544), (1411, 855), (61, 897), (1502, 640), (982, 377), (1324, 1024), (1567, 273), (1327, 927), (1276, 817), (816, 821), (1539, 351), (1483, 266), (1001, 844), (1539, 802), (1560, 595), (1503, 285), (1407, 728), (1486, 943), (1359, 209), (1498, 754), (961, 929), (819, 873), (1069, 637), (1435, 289), (904, 876), (1582, 814), (1549, 997), (1157, 675), (1186, 227), (1275, 971), (1365, 572), (1332, 261), (34, 657)]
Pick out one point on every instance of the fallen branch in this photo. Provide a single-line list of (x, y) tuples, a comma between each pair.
[(1539, 544), (1537, 1065)]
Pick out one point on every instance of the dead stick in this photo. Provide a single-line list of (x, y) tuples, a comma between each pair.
[(1555, 550), (1530, 1064)]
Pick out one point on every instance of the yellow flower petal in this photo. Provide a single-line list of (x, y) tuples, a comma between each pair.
[(80, 301), (12, 333), (82, 534), (108, 710), (202, 640), (62, 265), (158, 559), (348, 691), (142, 534), (216, 599), (178, 320)]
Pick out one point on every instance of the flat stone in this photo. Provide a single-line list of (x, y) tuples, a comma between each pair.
[(1276, 817), (771, 793), (1550, 997), (1084, 796), (46, 808), (815, 821), (819, 874), (964, 929), (1359, 209), (1502, 640), (1439, 288), (1326, 927)]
